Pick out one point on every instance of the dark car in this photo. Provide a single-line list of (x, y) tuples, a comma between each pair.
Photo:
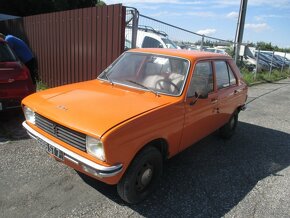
[(267, 57), (15, 79)]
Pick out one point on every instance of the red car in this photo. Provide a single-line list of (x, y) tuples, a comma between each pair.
[(15, 79)]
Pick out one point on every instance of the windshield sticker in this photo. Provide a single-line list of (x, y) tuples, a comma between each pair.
[(160, 60)]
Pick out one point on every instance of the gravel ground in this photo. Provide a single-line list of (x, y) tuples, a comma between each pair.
[(246, 176)]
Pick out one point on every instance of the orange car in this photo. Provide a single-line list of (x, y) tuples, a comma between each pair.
[(147, 106)]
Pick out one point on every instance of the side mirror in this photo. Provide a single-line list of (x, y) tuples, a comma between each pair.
[(203, 95), (198, 95)]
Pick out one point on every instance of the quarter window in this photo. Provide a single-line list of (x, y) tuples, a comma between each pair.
[(233, 80), (224, 75)]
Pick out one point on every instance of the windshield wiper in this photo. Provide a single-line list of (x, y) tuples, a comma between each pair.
[(145, 87), (109, 79)]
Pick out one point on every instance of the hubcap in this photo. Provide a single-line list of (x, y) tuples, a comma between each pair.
[(146, 177)]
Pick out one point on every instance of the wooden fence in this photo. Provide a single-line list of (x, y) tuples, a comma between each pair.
[(72, 46)]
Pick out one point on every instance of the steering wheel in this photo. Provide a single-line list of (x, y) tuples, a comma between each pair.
[(160, 85)]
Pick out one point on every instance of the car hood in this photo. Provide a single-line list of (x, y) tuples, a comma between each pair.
[(93, 107)]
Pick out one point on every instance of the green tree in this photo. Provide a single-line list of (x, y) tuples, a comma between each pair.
[(31, 7), (269, 47), (265, 46), (100, 3)]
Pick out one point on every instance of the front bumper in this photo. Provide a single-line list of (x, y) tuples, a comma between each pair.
[(89, 166), (9, 104)]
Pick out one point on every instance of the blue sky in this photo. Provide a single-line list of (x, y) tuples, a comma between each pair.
[(266, 20)]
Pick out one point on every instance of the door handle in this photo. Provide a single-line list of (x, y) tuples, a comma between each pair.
[(237, 91), (214, 100), (216, 110)]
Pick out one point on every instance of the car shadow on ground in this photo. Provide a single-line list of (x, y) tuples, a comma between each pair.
[(213, 176), (11, 126)]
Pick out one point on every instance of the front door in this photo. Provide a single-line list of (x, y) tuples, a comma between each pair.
[(200, 110)]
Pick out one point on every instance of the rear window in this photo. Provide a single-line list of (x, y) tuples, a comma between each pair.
[(151, 43), (169, 43), (6, 55)]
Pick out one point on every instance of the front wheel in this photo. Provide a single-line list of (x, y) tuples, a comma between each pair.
[(229, 128), (142, 176)]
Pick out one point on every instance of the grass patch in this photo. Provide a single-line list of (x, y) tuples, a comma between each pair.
[(41, 86), (252, 78)]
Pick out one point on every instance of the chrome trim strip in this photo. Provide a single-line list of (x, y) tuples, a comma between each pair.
[(102, 171), (71, 159), (13, 107)]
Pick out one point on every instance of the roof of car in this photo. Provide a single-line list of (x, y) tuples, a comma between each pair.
[(191, 55)]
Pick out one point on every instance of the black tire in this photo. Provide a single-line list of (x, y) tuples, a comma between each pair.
[(229, 128), (142, 176)]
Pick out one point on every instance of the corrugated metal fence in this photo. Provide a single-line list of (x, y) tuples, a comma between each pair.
[(75, 45)]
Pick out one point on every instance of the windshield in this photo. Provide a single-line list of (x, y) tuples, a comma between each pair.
[(169, 43), (6, 55), (156, 73)]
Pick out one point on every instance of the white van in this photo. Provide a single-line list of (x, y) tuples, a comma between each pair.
[(147, 37)]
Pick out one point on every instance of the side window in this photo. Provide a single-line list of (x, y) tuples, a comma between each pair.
[(151, 43), (202, 79), (224, 75), (233, 80)]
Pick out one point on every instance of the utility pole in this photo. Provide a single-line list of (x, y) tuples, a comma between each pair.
[(240, 28)]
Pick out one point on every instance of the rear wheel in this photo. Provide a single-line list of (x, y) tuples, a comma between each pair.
[(229, 128), (142, 176)]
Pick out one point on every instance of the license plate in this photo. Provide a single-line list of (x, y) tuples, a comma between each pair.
[(55, 151), (51, 149)]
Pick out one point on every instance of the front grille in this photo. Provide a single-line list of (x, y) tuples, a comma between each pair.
[(71, 137)]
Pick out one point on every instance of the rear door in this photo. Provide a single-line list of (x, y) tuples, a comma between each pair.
[(227, 89)]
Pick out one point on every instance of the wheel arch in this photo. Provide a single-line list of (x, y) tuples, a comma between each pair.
[(241, 108), (160, 144)]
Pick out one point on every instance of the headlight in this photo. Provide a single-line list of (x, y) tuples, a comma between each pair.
[(29, 114), (95, 148)]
